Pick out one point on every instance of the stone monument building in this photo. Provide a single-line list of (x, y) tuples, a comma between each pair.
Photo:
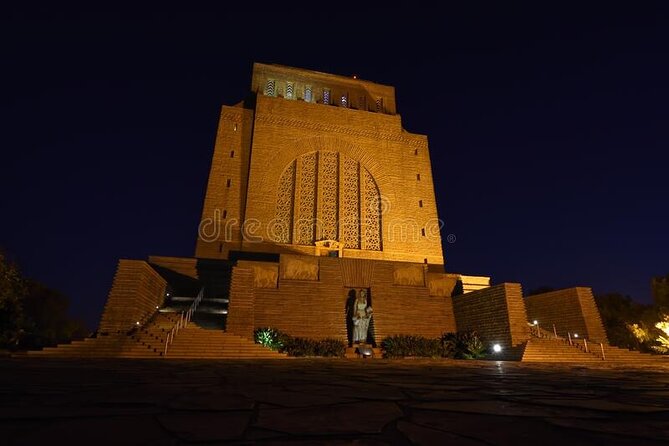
[(317, 195)]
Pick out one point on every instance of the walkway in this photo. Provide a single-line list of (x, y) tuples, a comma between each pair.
[(99, 402)]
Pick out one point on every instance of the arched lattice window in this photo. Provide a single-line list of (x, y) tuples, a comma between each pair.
[(325, 195)]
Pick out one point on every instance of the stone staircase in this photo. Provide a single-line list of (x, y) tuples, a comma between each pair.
[(111, 346), (147, 342), (617, 354), (194, 342), (555, 350), (191, 342), (544, 346)]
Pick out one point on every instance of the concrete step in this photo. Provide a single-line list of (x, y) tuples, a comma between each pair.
[(554, 350)]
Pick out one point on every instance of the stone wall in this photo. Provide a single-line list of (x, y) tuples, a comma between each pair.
[(497, 313), (182, 265), (225, 199), (241, 314), (403, 309), (136, 291), (572, 310), (317, 308), (246, 172), (361, 94)]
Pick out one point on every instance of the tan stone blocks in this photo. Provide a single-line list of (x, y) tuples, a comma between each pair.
[(571, 310), (136, 291)]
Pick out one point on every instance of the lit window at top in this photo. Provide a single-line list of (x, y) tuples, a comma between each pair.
[(344, 100), (290, 90), (270, 87), (326, 96), (379, 104), (307, 93)]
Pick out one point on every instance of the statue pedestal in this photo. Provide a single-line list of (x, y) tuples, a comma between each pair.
[(363, 351)]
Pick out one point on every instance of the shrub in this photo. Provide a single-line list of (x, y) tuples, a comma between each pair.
[(296, 346), (449, 345), (269, 337), (463, 345), (399, 346), (330, 348)]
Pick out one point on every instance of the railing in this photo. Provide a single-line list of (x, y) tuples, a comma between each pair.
[(184, 318), (538, 332), (589, 348)]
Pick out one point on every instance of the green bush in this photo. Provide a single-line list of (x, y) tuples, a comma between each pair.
[(399, 346), (330, 347), (463, 345), (296, 346), (269, 337), (449, 345), (473, 347)]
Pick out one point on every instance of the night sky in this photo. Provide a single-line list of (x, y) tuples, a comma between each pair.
[(548, 131)]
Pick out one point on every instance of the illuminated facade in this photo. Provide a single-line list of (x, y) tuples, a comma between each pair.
[(312, 157), (316, 195)]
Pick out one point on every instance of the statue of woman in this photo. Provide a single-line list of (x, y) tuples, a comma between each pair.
[(361, 316)]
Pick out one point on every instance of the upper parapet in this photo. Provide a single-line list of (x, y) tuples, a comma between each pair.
[(322, 88)]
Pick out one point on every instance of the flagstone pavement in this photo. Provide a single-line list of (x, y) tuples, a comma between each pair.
[(330, 401)]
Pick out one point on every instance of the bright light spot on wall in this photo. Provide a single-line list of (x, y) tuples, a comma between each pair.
[(576, 335), (497, 348), (137, 323), (536, 322)]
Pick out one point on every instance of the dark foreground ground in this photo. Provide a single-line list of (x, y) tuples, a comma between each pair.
[(314, 401)]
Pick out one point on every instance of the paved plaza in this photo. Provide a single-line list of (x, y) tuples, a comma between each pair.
[(323, 401)]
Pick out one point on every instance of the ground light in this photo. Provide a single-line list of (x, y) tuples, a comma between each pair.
[(497, 348)]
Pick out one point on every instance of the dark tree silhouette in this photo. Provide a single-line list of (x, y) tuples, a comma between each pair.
[(31, 314)]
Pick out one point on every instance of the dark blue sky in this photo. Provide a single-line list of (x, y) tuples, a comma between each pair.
[(548, 131)]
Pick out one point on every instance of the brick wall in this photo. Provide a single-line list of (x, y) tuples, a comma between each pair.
[(268, 138), (337, 85), (408, 309), (136, 291), (317, 309), (241, 315), (182, 265), (497, 313), (572, 310), (313, 309), (224, 202)]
